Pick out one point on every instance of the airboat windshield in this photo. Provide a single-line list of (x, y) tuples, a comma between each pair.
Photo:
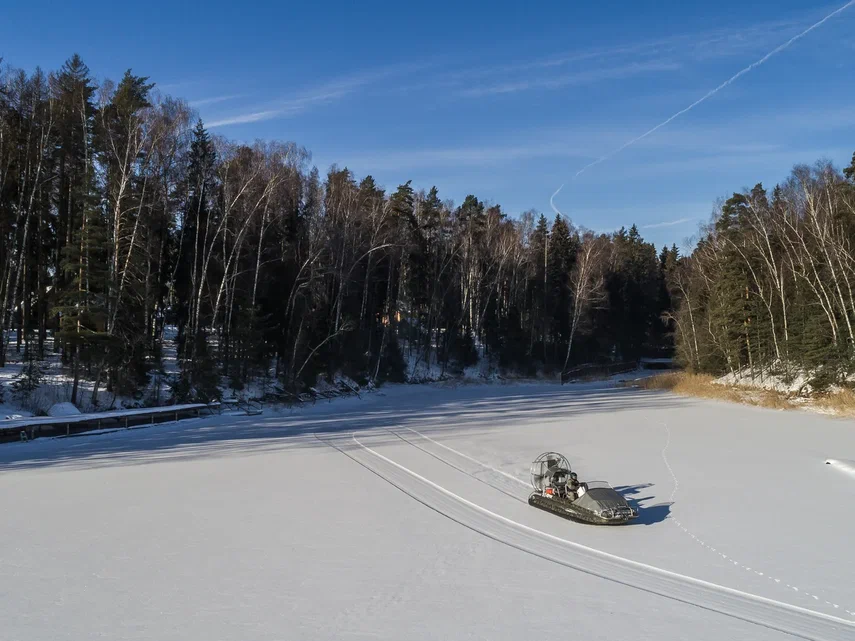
[(592, 485)]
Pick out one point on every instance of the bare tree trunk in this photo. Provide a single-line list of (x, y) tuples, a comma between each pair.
[(76, 369), (586, 284), (389, 320)]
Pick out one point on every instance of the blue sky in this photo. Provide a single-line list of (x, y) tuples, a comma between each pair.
[(506, 100)]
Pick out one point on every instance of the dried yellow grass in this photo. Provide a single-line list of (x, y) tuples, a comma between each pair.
[(704, 386), (841, 403)]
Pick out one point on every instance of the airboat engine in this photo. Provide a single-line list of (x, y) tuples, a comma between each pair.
[(544, 467)]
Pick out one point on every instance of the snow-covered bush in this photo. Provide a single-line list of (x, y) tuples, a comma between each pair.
[(63, 409)]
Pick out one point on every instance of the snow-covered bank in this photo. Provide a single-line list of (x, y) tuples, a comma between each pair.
[(796, 383), (55, 382), (792, 382), (834, 402)]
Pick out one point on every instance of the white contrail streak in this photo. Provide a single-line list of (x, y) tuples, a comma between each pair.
[(552, 197), (727, 82)]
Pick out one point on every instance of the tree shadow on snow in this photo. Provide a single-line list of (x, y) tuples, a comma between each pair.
[(464, 410), (647, 514)]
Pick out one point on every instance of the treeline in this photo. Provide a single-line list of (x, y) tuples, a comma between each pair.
[(770, 288), (121, 215)]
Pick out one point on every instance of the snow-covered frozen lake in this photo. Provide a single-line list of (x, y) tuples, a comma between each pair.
[(403, 516)]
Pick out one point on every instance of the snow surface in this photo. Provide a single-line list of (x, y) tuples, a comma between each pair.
[(844, 466), (10, 412), (63, 409), (402, 515)]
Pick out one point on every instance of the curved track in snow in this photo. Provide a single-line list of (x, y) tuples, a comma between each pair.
[(792, 620)]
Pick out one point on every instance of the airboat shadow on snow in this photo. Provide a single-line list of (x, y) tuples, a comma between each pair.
[(557, 489), (647, 514)]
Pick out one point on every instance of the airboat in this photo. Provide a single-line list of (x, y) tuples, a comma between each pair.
[(557, 489)]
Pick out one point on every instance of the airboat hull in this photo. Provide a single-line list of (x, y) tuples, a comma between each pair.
[(565, 509)]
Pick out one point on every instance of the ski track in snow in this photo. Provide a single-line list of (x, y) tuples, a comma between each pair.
[(452, 465), (469, 458), (724, 556), (775, 615), (731, 561)]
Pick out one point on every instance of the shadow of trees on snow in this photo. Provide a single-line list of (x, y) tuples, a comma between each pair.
[(473, 408)]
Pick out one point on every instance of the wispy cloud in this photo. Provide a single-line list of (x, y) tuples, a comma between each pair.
[(555, 71), (775, 165), (576, 78), (735, 140), (214, 100), (244, 118), (462, 79), (728, 42), (604, 63), (729, 145), (175, 87), (715, 43), (384, 160), (669, 223), (289, 107), (306, 99)]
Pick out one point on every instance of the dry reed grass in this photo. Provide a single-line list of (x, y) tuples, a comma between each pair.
[(704, 386), (841, 403)]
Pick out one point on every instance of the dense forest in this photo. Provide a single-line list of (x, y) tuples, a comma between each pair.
[(121, 216), (770, 287)]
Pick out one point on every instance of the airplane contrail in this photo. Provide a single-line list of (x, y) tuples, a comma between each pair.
[(710, 94), (552, 197)]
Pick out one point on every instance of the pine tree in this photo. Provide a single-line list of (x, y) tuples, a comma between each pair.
[(122, 147), (849, 172), (82, 305), (81, 277), (75, 183), (561, 258), (633, 295), (539, 302), (195, 227)]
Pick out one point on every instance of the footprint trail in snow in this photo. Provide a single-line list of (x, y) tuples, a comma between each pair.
[(724, 556)]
